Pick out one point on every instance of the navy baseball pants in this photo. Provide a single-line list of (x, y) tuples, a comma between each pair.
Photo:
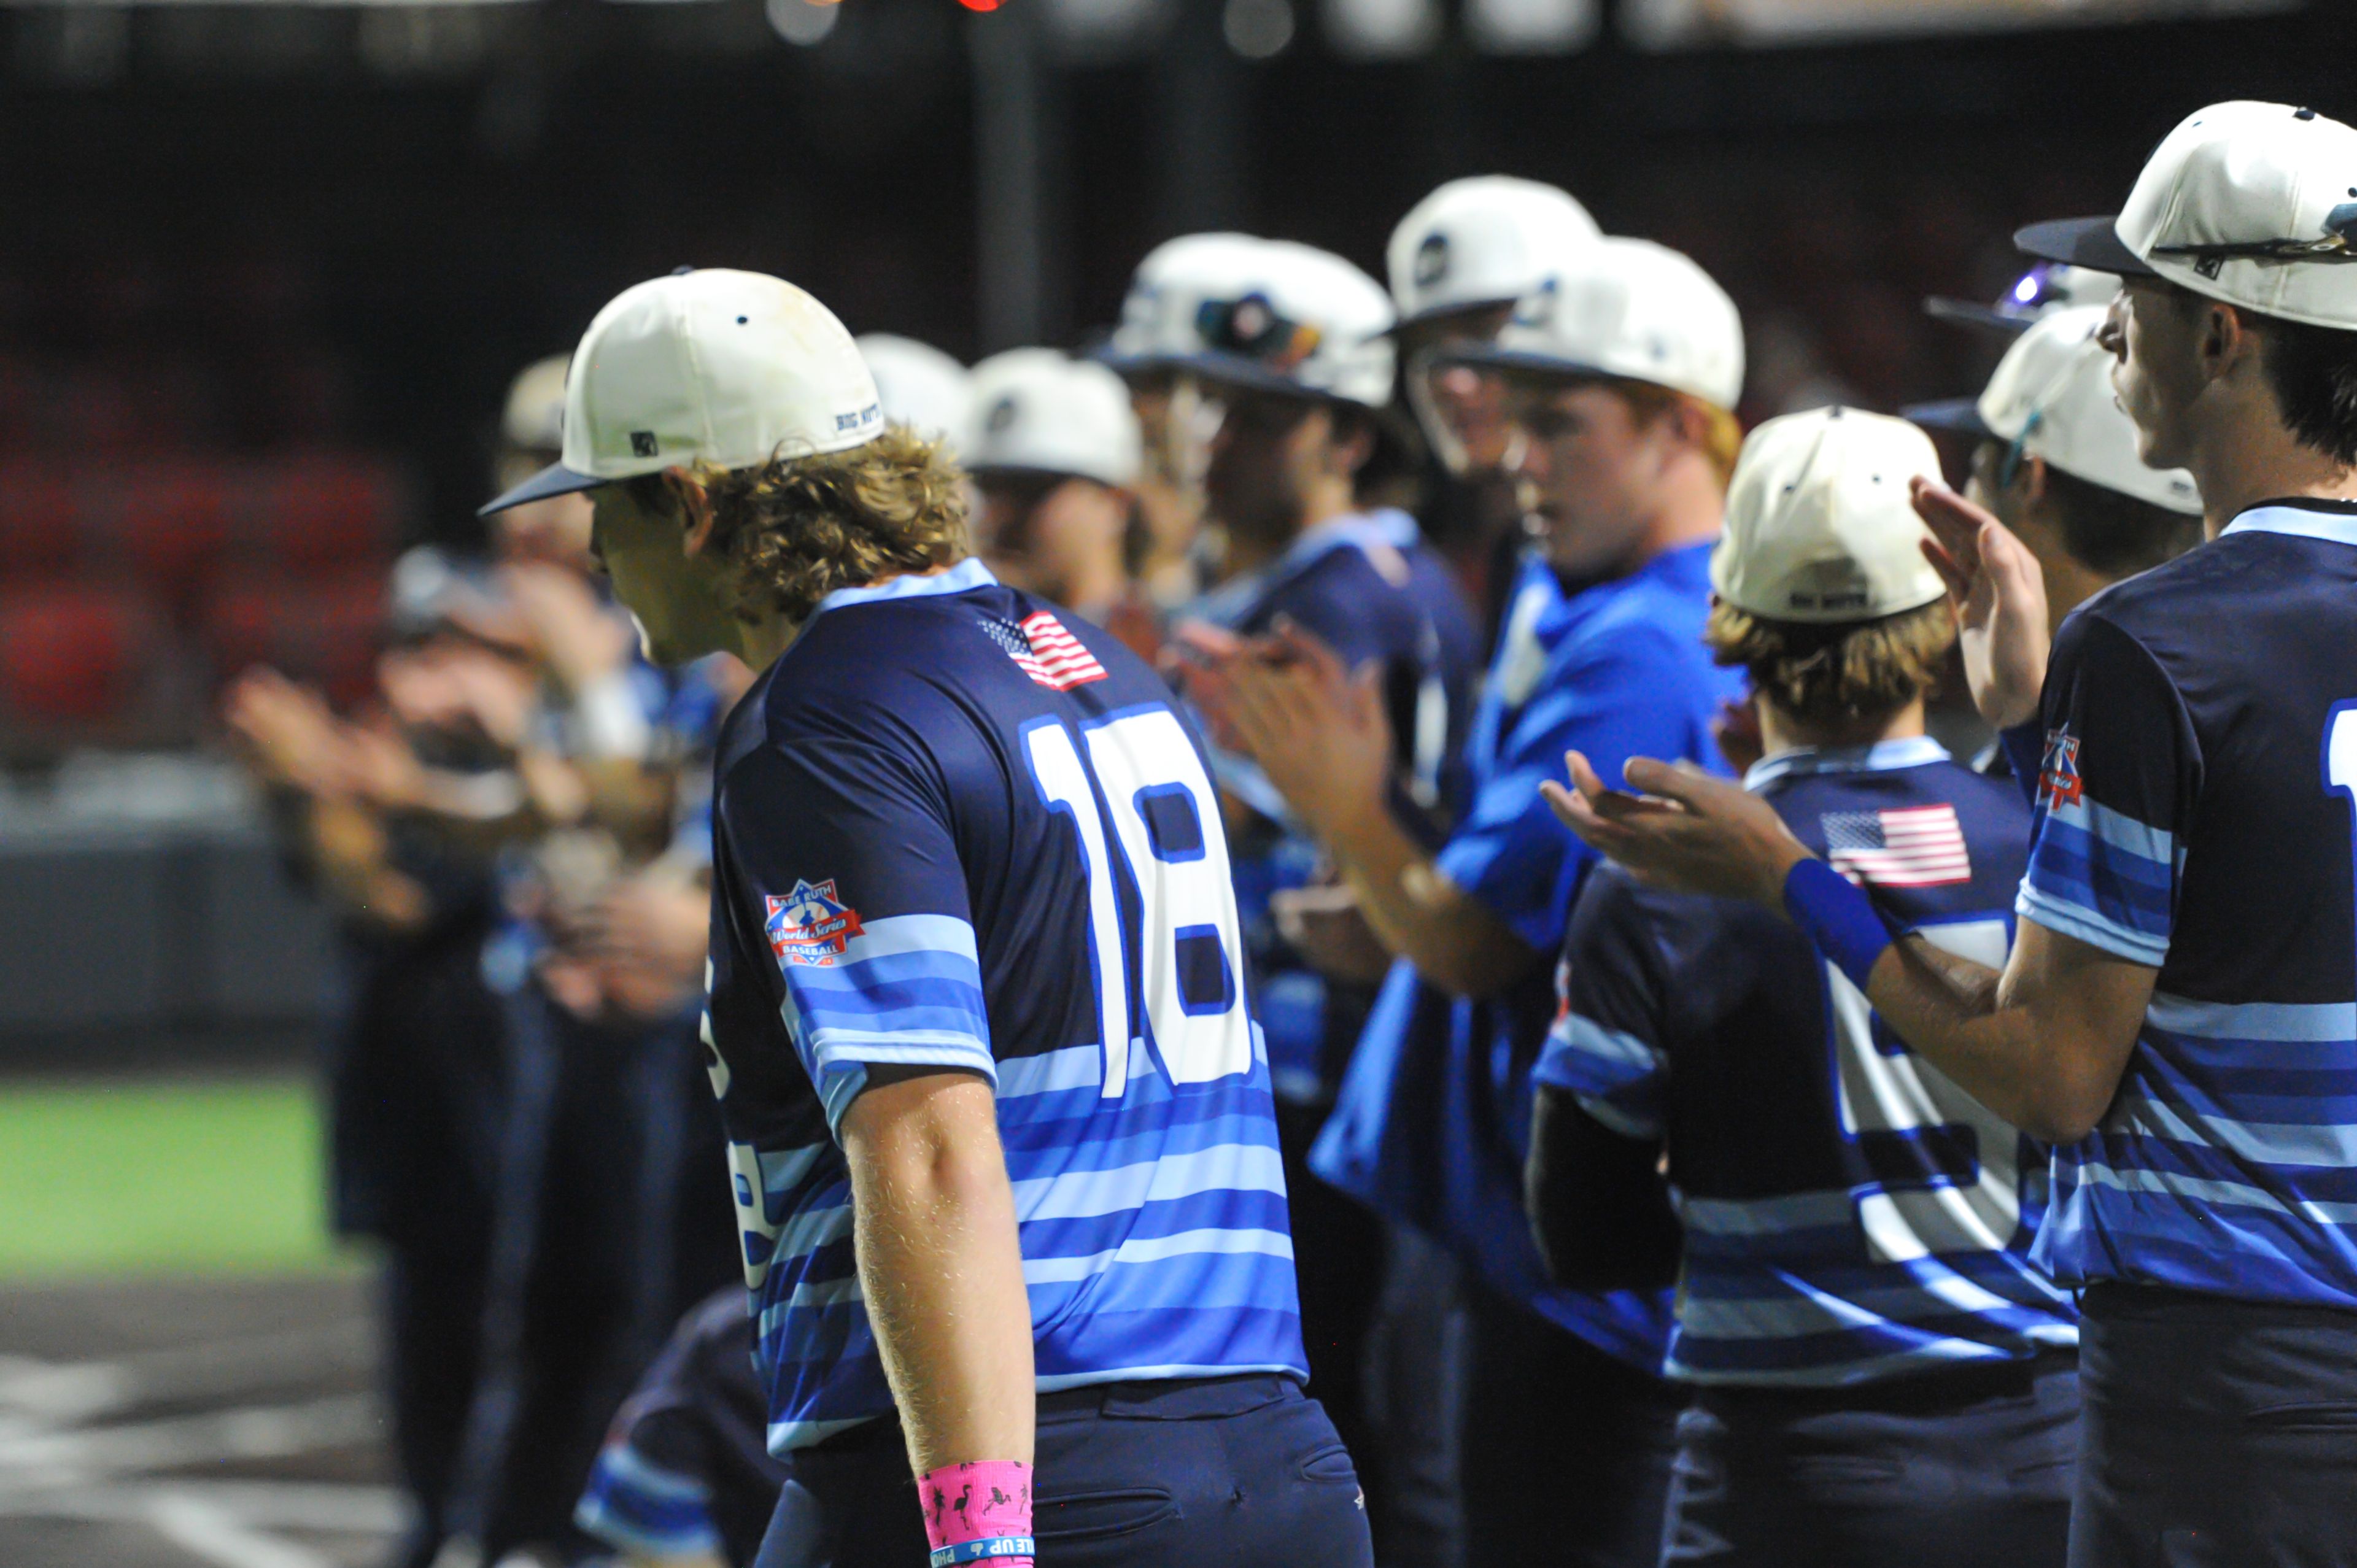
[(2218, 1433), (1242, 1472), (1964, 1469)]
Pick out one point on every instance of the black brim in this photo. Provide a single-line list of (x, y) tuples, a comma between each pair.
[(2090, 243), (1235, 370), (1962, 415), (556, 480), (1979, 317), (1440, 313), (1496, 358)]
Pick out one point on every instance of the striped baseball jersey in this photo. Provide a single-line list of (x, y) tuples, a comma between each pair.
[(2193, 814), (1850, 1214), (955, 830)]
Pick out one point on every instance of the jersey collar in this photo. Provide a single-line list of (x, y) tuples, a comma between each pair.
[(1384, 525), (1882, 757), (963, 579), (2307, 520)]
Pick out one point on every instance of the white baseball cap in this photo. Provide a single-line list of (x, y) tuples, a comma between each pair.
[(1167, 291), (1485, 241), (918, 385), (2252, 203), (1819, 526), (1300, 321), (706, 366), (534, 416), (2045, 288), (1036, 411), (1633, 310), (2052, 394)]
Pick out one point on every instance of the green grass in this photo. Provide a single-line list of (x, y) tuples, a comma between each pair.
[(161, 1177)]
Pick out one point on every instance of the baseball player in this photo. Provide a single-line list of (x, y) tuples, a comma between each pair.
[(2176, 1012), (1457, 264), (2054, 459), (1879, 1374), (1053, 449), (1007, 1168), (1620, 381)]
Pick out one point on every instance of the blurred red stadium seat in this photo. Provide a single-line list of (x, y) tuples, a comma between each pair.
[(69, 653), (174, 523), (39, 517), (325, 628), (321, 512)]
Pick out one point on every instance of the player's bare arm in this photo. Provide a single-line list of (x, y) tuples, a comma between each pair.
[(1318, 731), (940, 1264), (2042, 1043)]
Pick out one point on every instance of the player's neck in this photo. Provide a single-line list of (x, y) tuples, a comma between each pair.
[(1248, 552), (2244, 462), (762, 641), (1692, 511), (1781, 732)]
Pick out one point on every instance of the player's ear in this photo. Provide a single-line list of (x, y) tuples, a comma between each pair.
[(695, 509)]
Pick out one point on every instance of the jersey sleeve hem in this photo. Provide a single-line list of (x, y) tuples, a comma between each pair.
[(2085, 924), (843, 1063)]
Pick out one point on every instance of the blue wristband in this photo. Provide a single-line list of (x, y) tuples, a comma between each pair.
[(982, 1546), (1837, 916), (2025, 752)]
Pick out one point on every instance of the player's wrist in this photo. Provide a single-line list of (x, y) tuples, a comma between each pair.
[(978, 1512), (1837, 916)]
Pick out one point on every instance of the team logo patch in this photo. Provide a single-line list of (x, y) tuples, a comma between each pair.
[(2058, 772), (810, 926), (1432, 259)]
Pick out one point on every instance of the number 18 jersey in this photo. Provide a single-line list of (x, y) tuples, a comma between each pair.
[(953, 829)]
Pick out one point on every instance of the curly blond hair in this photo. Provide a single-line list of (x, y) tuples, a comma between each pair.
[(1841, 672), (798, 528)]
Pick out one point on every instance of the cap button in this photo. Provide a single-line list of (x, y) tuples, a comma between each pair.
[(2303, 113), (681, 272)]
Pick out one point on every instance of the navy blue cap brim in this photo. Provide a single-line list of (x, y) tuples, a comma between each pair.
[(2090, 243), (1236, 371), (556, 480), (1440, 313), (1978, 317), (1962, 415), (1502, 359)]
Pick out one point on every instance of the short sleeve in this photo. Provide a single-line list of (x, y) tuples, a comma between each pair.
[(1509, 851), (1605, 1046), (844, 856), (2114, 795), (645, 1494)]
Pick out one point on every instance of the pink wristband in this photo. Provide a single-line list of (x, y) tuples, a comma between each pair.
[(978, 1513)]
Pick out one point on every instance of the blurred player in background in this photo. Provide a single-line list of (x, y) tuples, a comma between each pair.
[(1879, 1374), (2177, 1014), (1297, 369), (1618, 381), (1457, 264), (1053, 450), (1158, 323), (2054, 459), (686, 1478), (918, 385), (414, 1066), (977, 1014)]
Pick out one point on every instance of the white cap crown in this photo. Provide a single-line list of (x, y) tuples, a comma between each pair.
[(1034, 409), (1635, 310), (713, 366), (1167, 290), (2052, 392), (1489, 240), (2254, 204), (1299, 320), (918, 385), (1819, 525), (533, 418)]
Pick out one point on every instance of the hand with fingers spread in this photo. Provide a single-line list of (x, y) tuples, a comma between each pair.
[(1999, 594), (1681, 829), (1316, 729), (1199, 662)]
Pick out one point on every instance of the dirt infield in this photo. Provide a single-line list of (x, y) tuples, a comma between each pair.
[(229, 1423)]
